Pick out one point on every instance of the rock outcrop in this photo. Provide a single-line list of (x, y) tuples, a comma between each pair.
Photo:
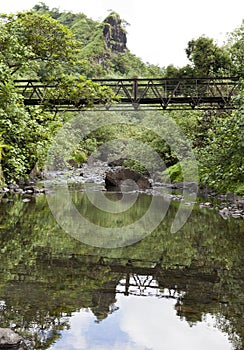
[(114, 33), (116, 162), (126, 179)]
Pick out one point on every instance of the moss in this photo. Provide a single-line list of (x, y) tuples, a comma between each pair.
[(135, 165), (79, 157), (237, 189), (177, 175)]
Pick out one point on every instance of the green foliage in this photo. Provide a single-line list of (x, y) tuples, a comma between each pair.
[(174, 172), (99, 60), (177, 174), (28, 39), (62, 275), (79, 91), (34, 44), (239, 189), (135, 165), (79, 157), (221, 161), (47, 43), (184, 72), (208, 58), (235, 46)]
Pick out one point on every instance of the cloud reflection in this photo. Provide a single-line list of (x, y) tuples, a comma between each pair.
[(152, 323), (141, 323)]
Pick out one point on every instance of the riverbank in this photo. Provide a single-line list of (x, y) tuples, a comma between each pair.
[(92, 177)]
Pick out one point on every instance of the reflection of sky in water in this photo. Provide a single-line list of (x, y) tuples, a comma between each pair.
[(141, 323)]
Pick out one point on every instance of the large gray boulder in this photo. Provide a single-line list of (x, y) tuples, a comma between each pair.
[(9, 339), (123, 179)]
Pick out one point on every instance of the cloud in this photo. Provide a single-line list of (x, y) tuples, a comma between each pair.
[(141, 323), (151, 323), (76, 337)]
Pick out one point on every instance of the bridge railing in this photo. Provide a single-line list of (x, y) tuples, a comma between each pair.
[(188, 93)]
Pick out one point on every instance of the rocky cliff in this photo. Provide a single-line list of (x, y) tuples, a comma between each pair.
[(114, 33)]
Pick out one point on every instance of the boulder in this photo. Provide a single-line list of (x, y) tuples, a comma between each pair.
[(73, 163), (9, 339), (116, 162), (128, 178)]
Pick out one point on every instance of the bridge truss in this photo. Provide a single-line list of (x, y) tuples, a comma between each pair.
[(137, 94)]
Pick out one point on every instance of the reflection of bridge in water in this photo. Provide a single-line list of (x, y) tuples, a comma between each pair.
[(136, 277), (143, 278), (137, 93), (156, 280), (89, 281)]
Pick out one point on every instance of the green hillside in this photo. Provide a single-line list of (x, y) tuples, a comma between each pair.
[(105, 52), (103, 45), (71, 48)]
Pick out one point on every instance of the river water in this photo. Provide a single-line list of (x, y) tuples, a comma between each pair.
[(171, 291)]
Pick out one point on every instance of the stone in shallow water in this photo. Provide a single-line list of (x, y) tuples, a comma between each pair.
[(130, 178), (8, 338)]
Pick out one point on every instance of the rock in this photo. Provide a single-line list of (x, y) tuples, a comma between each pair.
[(189, 186), (89, 181), (235, 215), (205, 205), (13, 187), (6, 189), (18, 190), (131, 179), (29, 189), (240, 203), (36, 173), (39, 190), (9, 339), (33, 189), (26, 200), (225, 213), (114, 33), (116, 162), (72, 163)]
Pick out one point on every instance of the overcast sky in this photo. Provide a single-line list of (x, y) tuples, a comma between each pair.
[(159, 30)]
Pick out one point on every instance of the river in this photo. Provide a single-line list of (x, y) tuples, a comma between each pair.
[(165, 290)]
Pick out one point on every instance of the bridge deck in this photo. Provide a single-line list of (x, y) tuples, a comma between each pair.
[(135, 93)]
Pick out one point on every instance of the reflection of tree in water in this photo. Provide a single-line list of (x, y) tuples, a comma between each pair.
[(39, 304), (103, 300), (45, 275)]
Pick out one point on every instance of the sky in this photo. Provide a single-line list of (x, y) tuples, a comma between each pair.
[(141, 324), (159, 30)]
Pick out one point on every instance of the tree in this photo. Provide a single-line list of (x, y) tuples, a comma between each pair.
[(38, 46), (208, 59), (221, 161), (28, 40), (236, 49)]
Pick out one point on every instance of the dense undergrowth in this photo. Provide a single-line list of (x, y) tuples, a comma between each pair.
[(46, 44)]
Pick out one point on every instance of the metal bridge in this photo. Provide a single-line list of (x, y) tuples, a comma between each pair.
[(136, 276), (138, 94)]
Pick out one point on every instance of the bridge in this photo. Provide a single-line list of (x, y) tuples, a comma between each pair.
[(135, 276), (137, 94)]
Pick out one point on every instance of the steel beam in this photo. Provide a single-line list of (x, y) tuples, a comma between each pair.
[(137, 93)]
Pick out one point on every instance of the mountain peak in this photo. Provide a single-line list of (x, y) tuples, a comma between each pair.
[(115, 33)]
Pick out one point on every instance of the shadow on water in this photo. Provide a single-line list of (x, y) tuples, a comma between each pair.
[(46, 276)]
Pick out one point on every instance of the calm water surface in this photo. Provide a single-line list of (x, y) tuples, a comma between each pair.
[(167, 291)]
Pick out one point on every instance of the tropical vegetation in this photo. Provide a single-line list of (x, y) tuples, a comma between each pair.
[(48, 44)]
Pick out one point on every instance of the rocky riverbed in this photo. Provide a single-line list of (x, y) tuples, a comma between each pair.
[(92, 177)]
